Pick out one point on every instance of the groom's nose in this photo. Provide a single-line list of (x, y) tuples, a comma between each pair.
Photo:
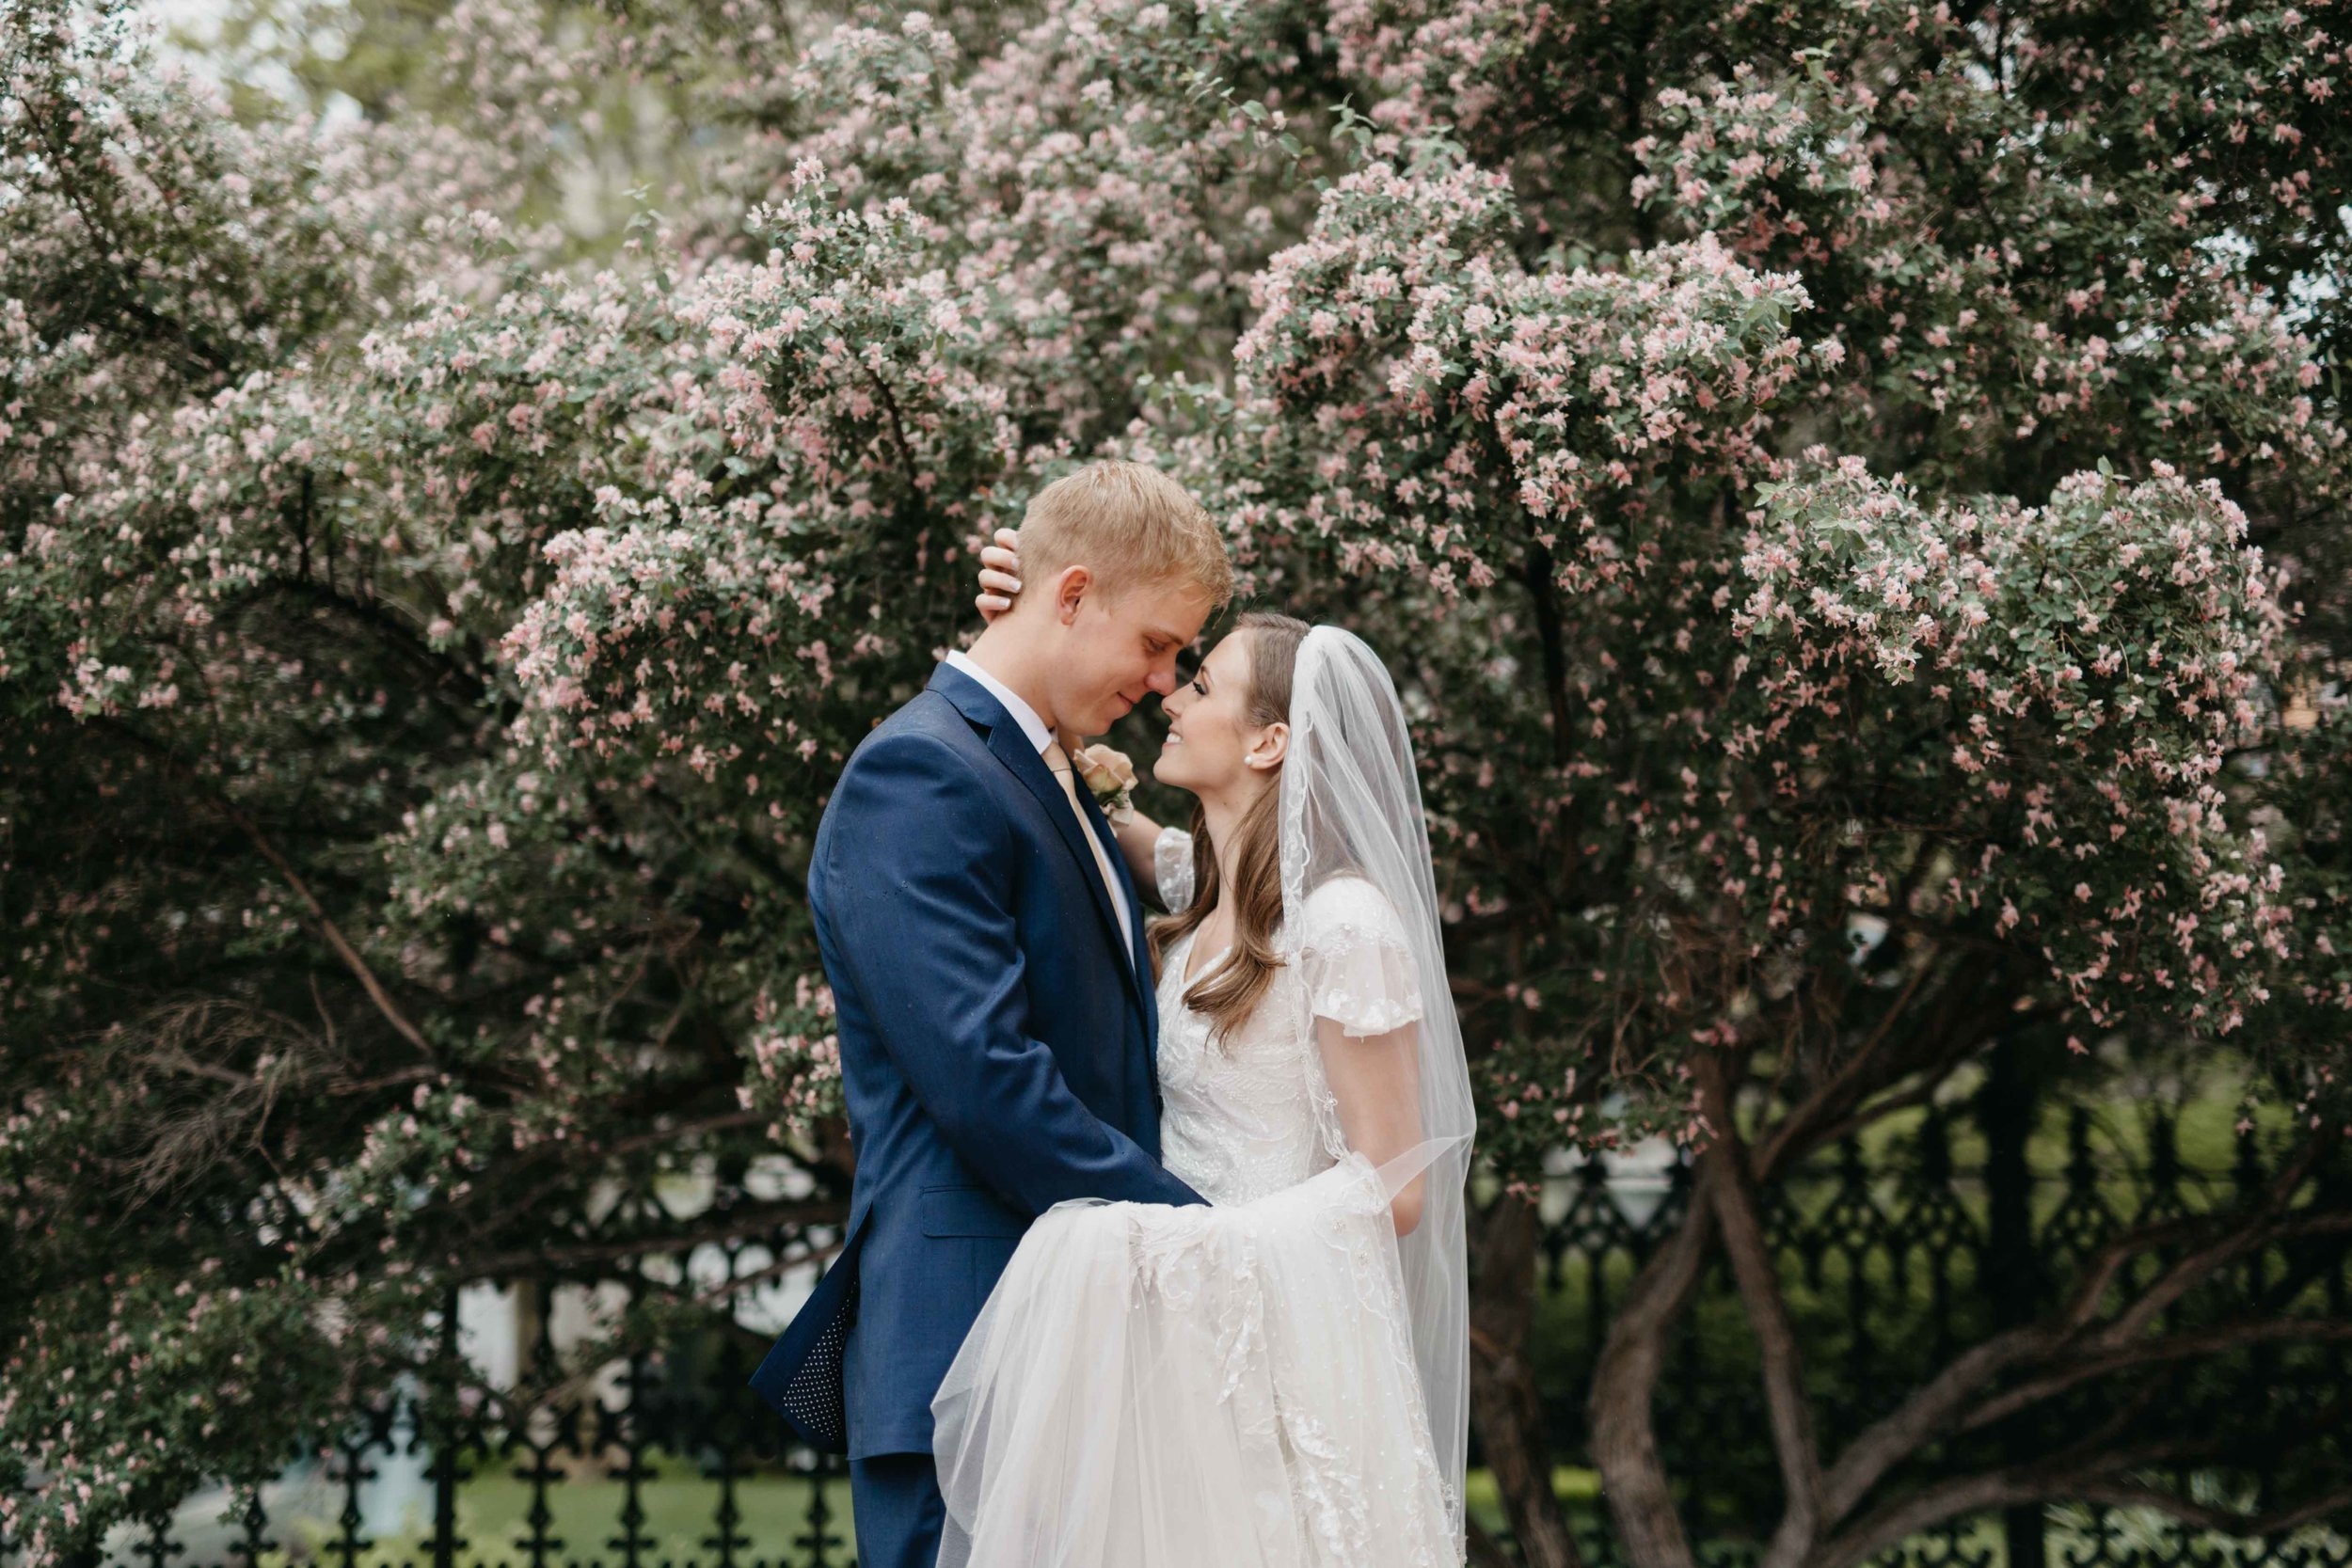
[(1163, 678)]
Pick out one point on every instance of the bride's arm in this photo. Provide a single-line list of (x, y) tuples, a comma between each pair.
[(1365, 998), (1165, 867), (1138, 840), (1377, 1081)]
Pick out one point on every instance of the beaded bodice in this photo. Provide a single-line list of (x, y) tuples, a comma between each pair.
[(1250, 1113)]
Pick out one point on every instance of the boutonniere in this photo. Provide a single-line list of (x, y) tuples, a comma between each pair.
[(1111, 778)]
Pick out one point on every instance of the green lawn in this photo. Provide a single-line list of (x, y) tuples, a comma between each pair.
[(678, 1507)]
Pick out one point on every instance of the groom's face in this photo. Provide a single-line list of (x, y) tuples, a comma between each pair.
[(1120, 647)]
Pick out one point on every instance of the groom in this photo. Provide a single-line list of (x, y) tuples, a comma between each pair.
[(993, 993)]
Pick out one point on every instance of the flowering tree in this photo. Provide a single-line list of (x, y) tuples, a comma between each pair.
[(1852, 520), (1895, 694)]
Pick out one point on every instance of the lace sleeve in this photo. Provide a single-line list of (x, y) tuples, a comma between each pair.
[(1171, 868), (1356, 961)]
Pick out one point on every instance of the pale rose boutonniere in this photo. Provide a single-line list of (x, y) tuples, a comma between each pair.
[(1111, 778)]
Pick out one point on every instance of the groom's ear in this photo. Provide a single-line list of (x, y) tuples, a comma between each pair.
[(1273, 745), (1070, 591)]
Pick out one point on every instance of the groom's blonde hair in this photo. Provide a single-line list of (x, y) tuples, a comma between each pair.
[(1131, 525)]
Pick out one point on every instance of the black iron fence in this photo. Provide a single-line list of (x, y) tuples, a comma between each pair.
[(1895, 1257)]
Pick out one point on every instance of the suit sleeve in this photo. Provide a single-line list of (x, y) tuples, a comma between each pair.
[(923, 920)]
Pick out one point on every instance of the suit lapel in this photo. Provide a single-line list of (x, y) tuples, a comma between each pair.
[(1010, 744), (1138, 953)]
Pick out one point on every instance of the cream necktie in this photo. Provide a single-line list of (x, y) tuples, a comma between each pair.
[(1058, 761)]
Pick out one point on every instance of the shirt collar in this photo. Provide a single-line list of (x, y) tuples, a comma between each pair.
[(1023, 714)]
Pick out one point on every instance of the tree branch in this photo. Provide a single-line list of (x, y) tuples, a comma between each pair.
[(1505, 1403), (332, 933), (328, 930), (1899, 1521), (2187, 1273), (2223, 1521), (663, 1135), (1790, 1413), (782, 1266), (1879, 1110), (444, 670), (1625, 1436), (1939, 1401), (734, 1225), (1826, 1111), (1893, 1438), (2048, 1480), (1550, 634), (2175, 1347), (897, 428)]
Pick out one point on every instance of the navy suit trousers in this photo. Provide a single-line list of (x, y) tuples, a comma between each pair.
[(899, 1512)]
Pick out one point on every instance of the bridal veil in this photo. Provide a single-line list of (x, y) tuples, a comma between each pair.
[(1351, 807)]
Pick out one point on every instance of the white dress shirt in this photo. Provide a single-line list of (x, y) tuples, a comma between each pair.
[(1023, 714), (1040, 738)]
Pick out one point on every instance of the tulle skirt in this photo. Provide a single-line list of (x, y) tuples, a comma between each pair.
[(1157, 1386)]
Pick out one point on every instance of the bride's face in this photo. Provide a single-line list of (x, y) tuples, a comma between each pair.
[(1212, 747)]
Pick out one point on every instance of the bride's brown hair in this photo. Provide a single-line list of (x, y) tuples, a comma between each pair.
[(1229, 993)]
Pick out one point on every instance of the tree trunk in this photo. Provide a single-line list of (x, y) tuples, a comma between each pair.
[(2005, 1108), (1625, 1438), (1505, 1404)]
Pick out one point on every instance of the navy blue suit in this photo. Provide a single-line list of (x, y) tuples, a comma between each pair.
[(997, 1057)]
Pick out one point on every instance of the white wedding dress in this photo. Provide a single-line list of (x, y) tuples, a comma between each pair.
[(1229, 1387)]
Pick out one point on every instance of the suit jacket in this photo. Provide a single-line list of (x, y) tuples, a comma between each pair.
[(997, 1052)]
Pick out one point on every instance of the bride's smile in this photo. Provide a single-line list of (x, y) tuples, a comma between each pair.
[(1212, 747)]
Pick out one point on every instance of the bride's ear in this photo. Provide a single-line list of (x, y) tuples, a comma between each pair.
[(1273, 744)]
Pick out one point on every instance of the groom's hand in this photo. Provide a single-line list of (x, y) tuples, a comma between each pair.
[(1000, 574)]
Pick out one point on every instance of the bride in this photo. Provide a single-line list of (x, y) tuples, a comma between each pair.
[(1279, 1378)]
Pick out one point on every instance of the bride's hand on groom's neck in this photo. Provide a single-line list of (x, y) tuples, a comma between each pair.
[(1000, 578)]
